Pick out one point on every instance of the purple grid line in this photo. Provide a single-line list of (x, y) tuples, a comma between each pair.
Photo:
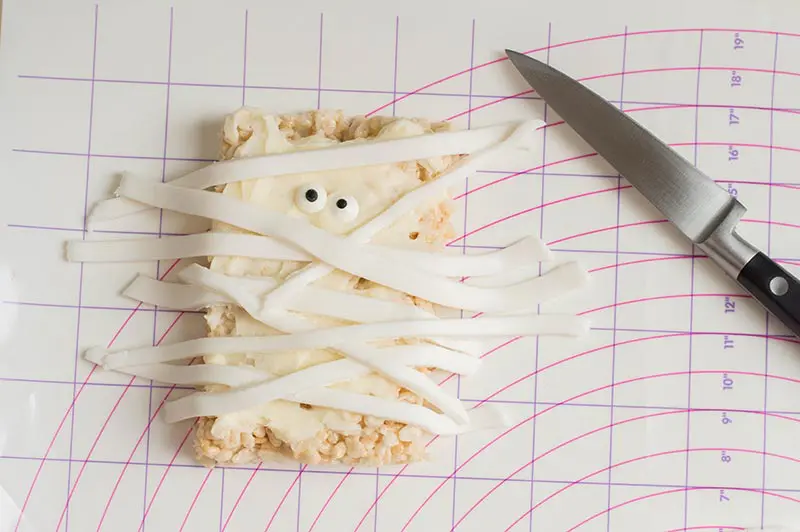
[(158, 264), (555, 481), (463, 252), (360, 91), (538, 307), (616, 301), (309, 471), (485, 171), (691, 299), (769, 250), (80, 277)]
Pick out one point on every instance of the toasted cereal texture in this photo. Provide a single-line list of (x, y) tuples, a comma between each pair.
[(354, 439)]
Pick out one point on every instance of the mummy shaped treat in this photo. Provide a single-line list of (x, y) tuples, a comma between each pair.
[(331, 300)]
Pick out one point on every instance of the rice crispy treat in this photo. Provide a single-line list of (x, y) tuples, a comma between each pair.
[(284, 430)]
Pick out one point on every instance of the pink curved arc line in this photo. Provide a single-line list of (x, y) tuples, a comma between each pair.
[(554, 46), (161, 480), (641, 458), (141, 436), (680, 490), (645, 261), (511, 475), (100, 433), (194, 499), (562, 361), (660, 298), (241, 494), (72, 405), (627, 73), (579, 396), (285, 495)]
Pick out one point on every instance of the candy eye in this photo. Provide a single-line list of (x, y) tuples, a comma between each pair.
[(311, 198), (345, 208)]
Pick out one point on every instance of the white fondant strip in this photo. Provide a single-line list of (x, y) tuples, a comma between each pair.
[(222, 244), (334, 337)]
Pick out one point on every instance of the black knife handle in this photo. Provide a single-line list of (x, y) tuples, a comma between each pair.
[(775, 288)]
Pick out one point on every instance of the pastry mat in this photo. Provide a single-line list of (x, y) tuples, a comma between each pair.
[(680, 411)]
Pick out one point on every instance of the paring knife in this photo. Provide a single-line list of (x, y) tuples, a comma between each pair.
[(702, 210)]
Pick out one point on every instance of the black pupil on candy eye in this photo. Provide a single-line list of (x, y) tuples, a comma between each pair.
[(311, 195), (342, 203)]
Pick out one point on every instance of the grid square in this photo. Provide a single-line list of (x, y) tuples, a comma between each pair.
[(43, 259), (97, 483), (43, 509), (733, 125), (561, 506), (375, 71), (725, 307), (649, 446), (780, 509), (743, 430), (103, 283), (175, 500), (128, 129), (409, 495), (68, 100), (596, 63), (31, 411), (649, 368), (422, 59), (41, 179), (69, 31), (48, 356), (564, 196), (577, 371), (170, 443), (196, 116), (506, 503), (782, 464), (344, 510), (641, 505), (494, 74), (478, 452), (135, 44), (500, 209), (661, 67), (356, 103), (126, 413), (708, 504), (783, 370), (654, 292), (196, 58), (571, 443), (786, 85), (266, 51)]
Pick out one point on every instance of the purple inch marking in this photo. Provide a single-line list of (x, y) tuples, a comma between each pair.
[(158, 265), (691, 293), (616, 299), (769, 250), (538, 307), (80, 277)]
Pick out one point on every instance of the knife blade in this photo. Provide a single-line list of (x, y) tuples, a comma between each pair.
[(693, 202)]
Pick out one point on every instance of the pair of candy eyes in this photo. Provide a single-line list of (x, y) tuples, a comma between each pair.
[(311, 199)]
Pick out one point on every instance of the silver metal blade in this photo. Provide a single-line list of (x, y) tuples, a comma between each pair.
[(692, 201)]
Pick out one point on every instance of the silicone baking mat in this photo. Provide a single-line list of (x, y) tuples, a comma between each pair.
[(680, 411)]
